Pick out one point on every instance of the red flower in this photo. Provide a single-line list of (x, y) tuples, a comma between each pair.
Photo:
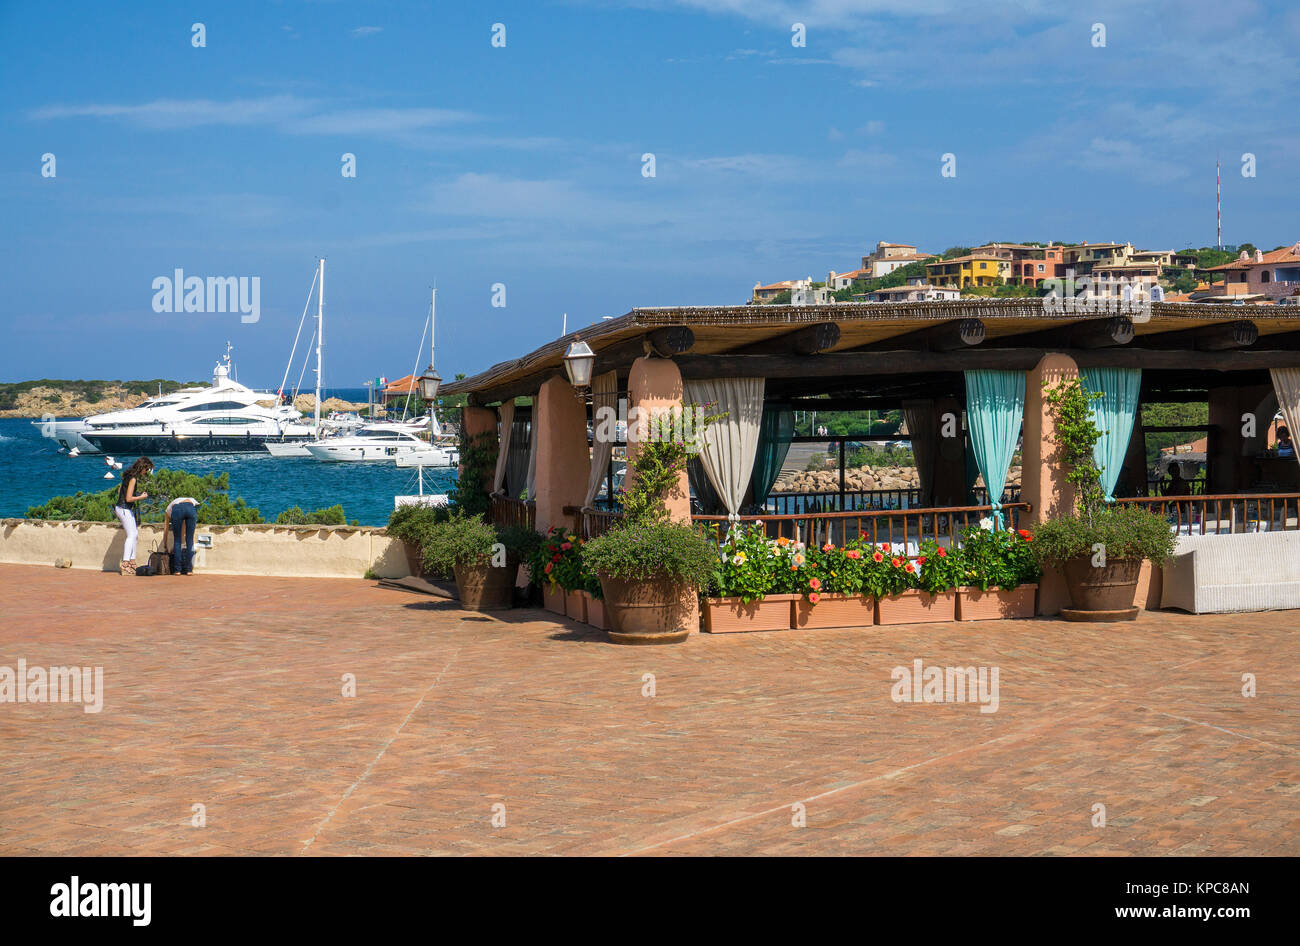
[(921, 560), (828, 547), (853, 554), (896, 562), (943, 553), (556, 558), (1026, 536), (814, 597), (909, 568), (552, 548), (566, 546), (884, 546), (877, 557), (549, 566), (815, 584)]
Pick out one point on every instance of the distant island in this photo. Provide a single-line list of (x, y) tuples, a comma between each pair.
[(81, 398)]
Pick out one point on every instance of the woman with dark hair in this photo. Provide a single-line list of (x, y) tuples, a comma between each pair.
[(127, 497)]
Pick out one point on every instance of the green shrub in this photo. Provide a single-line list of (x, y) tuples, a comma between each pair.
[(941, 568), (556, 559), (467, 541), (1124, 531), (163, 485), (411, 524), (331, 516), (652, 550)]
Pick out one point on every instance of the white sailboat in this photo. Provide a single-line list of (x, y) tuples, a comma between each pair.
[(298, 448)]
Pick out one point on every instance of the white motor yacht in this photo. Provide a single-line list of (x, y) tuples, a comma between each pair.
[(377, 442), (225, 417)]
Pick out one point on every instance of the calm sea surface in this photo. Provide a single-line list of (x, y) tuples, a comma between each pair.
[(32, 471)]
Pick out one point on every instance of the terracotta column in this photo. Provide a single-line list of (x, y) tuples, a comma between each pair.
[(655, 385), (1043, 482), (474, 422), (563, 459)]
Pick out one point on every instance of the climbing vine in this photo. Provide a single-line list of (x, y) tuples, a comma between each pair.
[(478, 459), (1077, 436)]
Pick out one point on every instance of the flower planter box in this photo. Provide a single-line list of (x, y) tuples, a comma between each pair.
[(995, 604), (726, 615), (595, 611), (575, 606), (835, 610), (915, 606), (553, 598)]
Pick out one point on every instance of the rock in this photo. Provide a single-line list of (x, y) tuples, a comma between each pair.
[(63, 563)]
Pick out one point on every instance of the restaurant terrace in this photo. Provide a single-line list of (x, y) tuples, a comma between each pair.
[(968, 376)]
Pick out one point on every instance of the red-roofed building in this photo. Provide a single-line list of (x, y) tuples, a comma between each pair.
[(1275, 274)]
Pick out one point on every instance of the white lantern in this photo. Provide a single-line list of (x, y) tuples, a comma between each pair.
[(578, 362), (429, 384)]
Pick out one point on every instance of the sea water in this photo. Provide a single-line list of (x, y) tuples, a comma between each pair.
[(32, 471)]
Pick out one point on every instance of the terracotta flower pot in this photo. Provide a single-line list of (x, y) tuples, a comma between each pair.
[(1110, 589), (595, 611), (976, 605), (835, 610), (915, 606), (575, 606), (769, 613), (648, 612), (553, 598), (484, 588)]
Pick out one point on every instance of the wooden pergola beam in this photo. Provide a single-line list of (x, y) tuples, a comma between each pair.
[(1221, 336), (1086, 334), (956, 335), (808, 340), (664, 342), (846, 364)]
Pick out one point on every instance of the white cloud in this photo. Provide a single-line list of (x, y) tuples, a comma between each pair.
[(289, 113), (367, 30)]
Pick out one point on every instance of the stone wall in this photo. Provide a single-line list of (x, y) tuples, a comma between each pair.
[(866, 477), (273, 550)]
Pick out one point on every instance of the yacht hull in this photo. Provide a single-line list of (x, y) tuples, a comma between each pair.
[(166, 445)]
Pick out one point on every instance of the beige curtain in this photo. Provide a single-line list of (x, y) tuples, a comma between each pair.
[(604, 403), (532, 456), (507, 415), (1286, 383), (729, 444)]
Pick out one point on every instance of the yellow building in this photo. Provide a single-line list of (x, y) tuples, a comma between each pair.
[(973, 270)]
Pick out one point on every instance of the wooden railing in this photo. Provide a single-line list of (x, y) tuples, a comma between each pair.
[(1225, 513), (513, 512), (589, 522), (906, 528), (865, 499)]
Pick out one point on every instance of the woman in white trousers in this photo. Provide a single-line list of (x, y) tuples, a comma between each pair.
[(127, 497)]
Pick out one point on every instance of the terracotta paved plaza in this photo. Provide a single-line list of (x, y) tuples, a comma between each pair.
[(226, 692)]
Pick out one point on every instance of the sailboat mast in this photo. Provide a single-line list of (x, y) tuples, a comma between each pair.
[(433, 328), (320, 338)]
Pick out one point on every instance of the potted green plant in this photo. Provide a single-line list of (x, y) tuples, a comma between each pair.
[(1098, 546), (651, 569), (593, 600), (485, 560), (411, 524), (996, 573), (831, 586)]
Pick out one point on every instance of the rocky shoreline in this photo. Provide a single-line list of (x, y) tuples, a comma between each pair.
[(861, 478)]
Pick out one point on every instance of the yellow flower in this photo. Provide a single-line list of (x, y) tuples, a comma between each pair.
[(739, 558)]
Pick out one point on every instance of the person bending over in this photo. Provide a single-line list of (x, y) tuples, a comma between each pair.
[(183, 514)]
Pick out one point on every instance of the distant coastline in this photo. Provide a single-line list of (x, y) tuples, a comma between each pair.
[(68, 398)]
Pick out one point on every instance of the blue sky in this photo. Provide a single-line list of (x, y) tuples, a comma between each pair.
[(522, 165)]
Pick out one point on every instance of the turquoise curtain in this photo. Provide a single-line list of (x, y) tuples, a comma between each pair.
[(775, 431), (1113, 413), (995, 409)]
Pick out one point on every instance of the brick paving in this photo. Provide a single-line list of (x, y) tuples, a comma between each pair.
[(226, 692)]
